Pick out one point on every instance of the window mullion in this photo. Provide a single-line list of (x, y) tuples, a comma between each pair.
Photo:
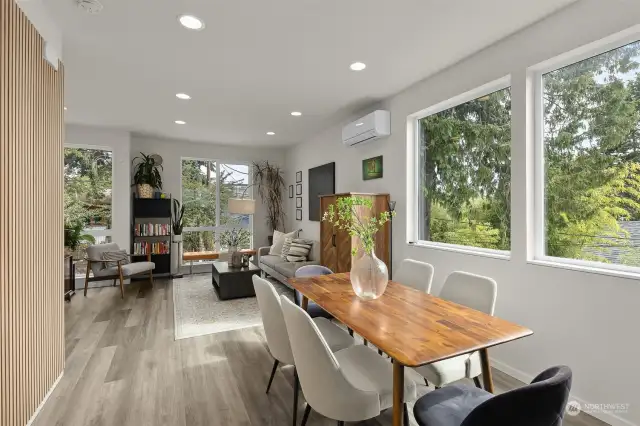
[(217, 240)]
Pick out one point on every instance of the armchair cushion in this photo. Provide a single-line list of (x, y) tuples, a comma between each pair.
[(127, 270), (114, 256), (94, 253)]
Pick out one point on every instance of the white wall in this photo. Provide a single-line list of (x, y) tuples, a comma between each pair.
[(172, 152), (119, 142), (585, 320)]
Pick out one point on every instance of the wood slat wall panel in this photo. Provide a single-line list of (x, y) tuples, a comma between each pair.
[(31, 218)]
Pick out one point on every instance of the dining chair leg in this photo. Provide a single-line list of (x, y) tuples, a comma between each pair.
[(273, 373), (426, 382), (305, 417), (340, 423), (476, 380), (296, 387), (406, 415), (114, 282), (151, 278)]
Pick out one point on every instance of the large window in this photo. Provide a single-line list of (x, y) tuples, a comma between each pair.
[(464, 183), (207, 186), (590, 144), (87, 196)]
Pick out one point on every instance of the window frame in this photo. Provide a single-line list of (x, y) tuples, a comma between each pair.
[(217, 227), (98, 232), (535, 91), (415, 208)]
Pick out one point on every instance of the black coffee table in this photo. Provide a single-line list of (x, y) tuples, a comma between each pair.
[(231, 283)]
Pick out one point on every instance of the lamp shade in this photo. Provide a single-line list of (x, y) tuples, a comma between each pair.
[(238, 206)]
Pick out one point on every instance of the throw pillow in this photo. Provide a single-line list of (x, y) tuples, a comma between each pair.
[(299, 250), (114, 256), (286, 247), (278, 241)]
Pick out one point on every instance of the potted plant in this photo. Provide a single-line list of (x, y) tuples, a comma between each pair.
[(176, 221), (177, 225), (233, 239), (269, 181), (369, 275), (74, 236), (146, 175)]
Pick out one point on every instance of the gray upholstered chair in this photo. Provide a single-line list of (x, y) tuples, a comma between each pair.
[(101, 272), (312, 271), (542, 402)]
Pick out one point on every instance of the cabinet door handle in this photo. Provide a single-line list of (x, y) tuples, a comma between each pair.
[(333, 240)]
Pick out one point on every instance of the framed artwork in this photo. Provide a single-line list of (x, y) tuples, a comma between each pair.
[(299, 176), (298, 214), (298, 202), (372, 168), (299, 189), (290, 191), (322, 181)]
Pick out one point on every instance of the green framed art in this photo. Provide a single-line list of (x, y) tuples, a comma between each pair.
[(372, 168)]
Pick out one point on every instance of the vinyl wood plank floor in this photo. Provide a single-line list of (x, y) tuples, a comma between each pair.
[(124, 368)]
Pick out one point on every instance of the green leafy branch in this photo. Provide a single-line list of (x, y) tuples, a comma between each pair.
[(353, 215)]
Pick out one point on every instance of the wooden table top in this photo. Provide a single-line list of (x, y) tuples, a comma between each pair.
[(412, 327)]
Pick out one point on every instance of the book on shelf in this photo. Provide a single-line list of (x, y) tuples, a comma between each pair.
[(145, 247), (151, 230)]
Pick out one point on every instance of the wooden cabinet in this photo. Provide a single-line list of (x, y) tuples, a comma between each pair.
[(336, 244)]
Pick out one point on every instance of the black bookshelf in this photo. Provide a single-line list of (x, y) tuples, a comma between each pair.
[(157, 239)]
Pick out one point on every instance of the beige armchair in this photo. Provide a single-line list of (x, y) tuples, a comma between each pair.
[(97, 265)]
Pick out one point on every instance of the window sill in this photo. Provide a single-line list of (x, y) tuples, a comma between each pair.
[(494, 254), (628, 272)]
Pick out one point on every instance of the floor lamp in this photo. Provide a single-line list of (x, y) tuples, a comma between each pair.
[(392, 208)]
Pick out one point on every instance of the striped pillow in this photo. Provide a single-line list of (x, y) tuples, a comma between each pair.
[(114, 256), (299, 250), (286, 247)]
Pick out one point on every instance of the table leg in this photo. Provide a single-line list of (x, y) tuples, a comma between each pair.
[(398, 393), (486, 370), (304, 302)]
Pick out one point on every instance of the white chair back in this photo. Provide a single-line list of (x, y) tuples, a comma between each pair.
[(325, 387), (273, 321), (475, 291), (415, 274)]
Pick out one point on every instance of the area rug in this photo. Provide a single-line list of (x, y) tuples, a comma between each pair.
[(197, 310)]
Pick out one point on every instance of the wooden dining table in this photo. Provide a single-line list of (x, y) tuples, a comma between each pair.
[(412, 327)]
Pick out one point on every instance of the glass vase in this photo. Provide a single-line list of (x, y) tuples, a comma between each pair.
[(232, 254), (369, 276)]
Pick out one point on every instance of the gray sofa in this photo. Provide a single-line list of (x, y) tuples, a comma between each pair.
[(280, 269)]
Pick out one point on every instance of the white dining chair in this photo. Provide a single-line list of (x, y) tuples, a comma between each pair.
[(476, 292), (276, 333), (350, 385), (415, 274)]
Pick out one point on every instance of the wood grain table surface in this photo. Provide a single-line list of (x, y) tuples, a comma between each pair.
[(412, 327)]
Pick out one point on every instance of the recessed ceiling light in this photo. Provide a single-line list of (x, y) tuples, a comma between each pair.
[(180, 122), (358, 66), (65, 108), (191, 22), (271, 133), (183, 96), (296, 113)]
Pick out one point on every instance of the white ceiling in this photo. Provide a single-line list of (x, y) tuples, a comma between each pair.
[(257, 60)]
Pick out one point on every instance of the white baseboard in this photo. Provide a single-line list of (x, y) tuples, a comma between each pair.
[(610, 418), (44, 401)]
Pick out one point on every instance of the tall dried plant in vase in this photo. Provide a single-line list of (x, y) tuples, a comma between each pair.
[(269, 181)]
